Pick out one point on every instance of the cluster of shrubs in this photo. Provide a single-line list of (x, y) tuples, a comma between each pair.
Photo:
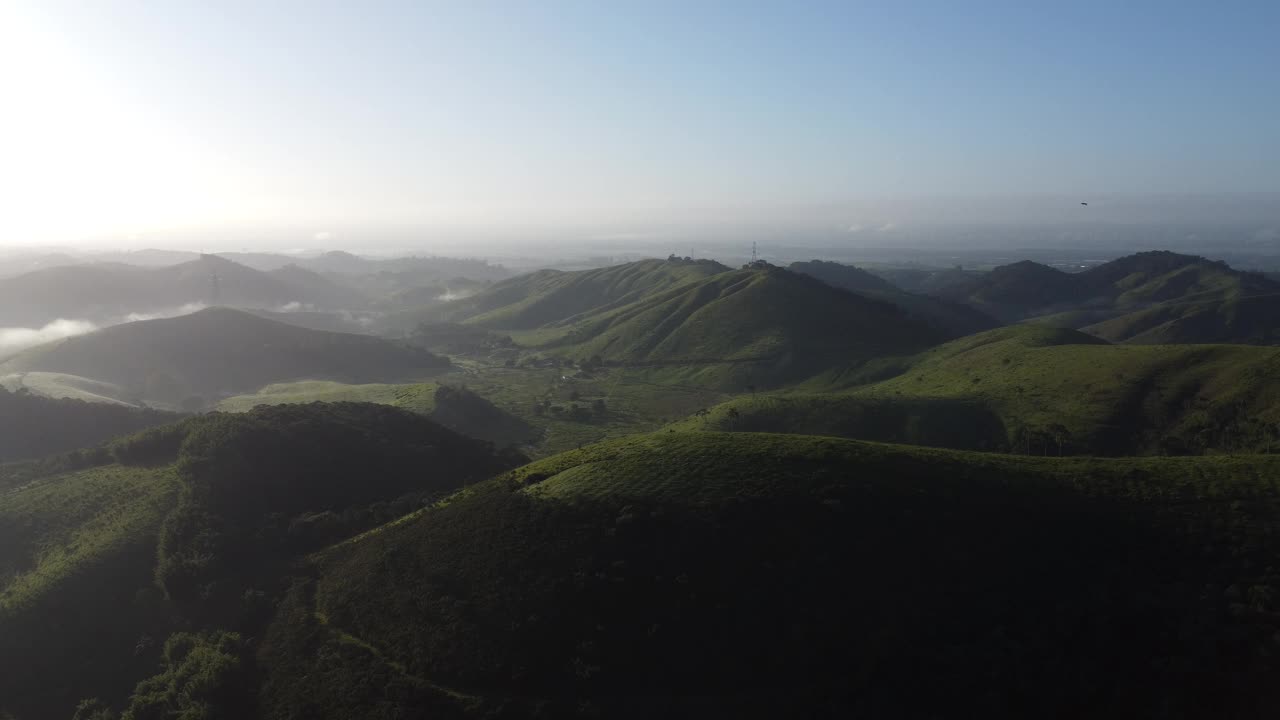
[(597, 410)]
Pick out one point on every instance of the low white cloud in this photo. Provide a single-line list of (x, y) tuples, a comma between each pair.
[(295, 306), (179, 311), (13, 339), (452, 295)]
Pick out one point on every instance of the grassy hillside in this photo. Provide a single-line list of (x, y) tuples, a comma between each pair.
[(674, 575), (192, 360), (1251, 320), (1027, 289), (416, 397), (1040, 390), (741, 328), (108, 292), (694, 322), (742, 575), (951, 319), (77, 561), (454, 407), (549, 296), (71, 387), (1022, 289), (568, 408)]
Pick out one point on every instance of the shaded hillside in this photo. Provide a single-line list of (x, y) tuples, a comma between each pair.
[(1022, 289), (1251, 320), (32, 426), (456, 408), (193, 359), (714, 575), (317, 291), (305, 571), (214, 509), (343, 322), (465, 412), (549, 296), (952, 319), (77, 595), (746, 327), (110, 292), (926, 281), (844, 276), (1027, 289), (1038, 390)]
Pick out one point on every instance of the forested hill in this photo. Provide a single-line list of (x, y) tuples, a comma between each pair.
[(32, 426), (192, 531)]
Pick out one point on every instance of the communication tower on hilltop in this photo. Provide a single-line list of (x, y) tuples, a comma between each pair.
[(753, 254), (215, 288)]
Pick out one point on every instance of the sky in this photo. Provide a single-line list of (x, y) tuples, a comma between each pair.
[(129, 120)]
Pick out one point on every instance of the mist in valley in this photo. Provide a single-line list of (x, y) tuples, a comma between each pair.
[(560, 360)]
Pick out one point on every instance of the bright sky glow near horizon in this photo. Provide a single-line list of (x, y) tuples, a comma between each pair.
[(125, 117)]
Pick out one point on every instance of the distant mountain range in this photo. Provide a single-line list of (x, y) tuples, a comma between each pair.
[(1027, 289), (190, 361), (115, 292), (755, 326)]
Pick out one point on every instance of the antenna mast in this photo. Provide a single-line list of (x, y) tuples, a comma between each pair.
[(753, 253)]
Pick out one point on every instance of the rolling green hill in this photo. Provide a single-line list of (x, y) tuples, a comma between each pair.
[(698, 322), (744, 575), (548, 296), (416, 397), (77, 605), (1253, 320), (1027, 289), (191, 360), (741, 328), (951, 319), (674, 575), (1034, 389), (60, 386), (196, 525), (456, 408)]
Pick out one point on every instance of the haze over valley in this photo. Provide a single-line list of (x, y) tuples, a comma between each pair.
[(558, 360)]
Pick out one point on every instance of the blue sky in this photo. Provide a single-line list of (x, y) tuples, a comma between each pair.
[(140, 116)]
